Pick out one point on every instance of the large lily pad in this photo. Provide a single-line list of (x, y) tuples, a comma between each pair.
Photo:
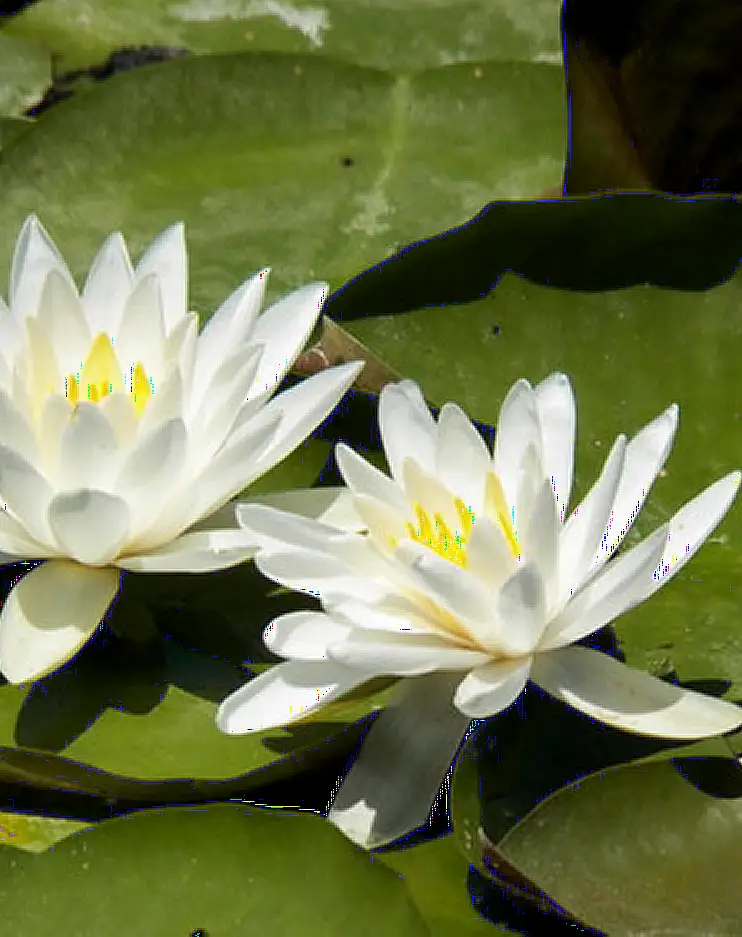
[(637, 850), (224, 870), (394, 35), (317, 168), (25, 72)]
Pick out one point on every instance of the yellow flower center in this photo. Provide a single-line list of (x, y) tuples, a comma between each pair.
[(101, 375), (451, 544)]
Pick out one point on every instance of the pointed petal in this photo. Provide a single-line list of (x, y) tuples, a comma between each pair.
[(303, 408), (202, 551), (401, 653), (590, 524), (303, 635), (489, 689), (35, 254), (333, 506), (89, 453), (461, 456), (557, 415), (17, 432), (229, 327), (62, 320), (646, 453), (488, 554), (89, 526), (407, 427), (629, 699), (284, 694), (690, 527), (167, 258), (521, 611), (403, 761), (50, 613), (107, 286), (141, 335), (365, 479), (619, 586), (284, 329), (517, 428), (26, 493), (319, 574), (540, 539)]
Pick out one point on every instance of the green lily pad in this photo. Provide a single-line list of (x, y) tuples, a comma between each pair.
[(25, 72), (12, 127), (36, 834), (629, 353), (252, 151), (368, 34), (225, 870), (637, 850), (436, 877)]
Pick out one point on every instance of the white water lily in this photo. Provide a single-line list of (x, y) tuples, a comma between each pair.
[(470, 580), (122, 430)]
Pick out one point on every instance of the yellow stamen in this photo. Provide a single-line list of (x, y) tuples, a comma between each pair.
[(101, 375)]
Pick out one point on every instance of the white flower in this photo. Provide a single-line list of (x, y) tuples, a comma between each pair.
[(470, 581), (121, 428)]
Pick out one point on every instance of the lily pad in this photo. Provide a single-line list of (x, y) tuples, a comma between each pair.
[(365, 33), (251, 152), (637, 849), (220, 870), (36, 834), (25, 72)]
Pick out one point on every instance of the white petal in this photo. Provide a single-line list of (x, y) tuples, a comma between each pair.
[(394, 613), (619, 586), (540, 539), (228, 327), (35, 254), (407, 427), (318, 574), (691, 526), (646, 453), (17, 544), (333, 506), (401, 654), (50, 614), (518, 428), (391, 786), (424, 489), (365, 479), (11, 337), (201, 551), (167, 258), (629, 699), (141, 335), (488, 554), (303, 635), (167, 403), (89, 453), (589, 525), (557, 415), (461, 457), (303, 407), (62, 321), (17, 432), (275, 529), (284, 329), (489, 689), (26, 493), (107, 286), (521, 611), (152, 470), (89, 526), (284, 694)]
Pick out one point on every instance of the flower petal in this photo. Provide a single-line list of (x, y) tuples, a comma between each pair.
[(462, 458), (26, 493), (228, 327), (166, 257), (107, 286), (589, 525), (141, 334), (403, 761), (407, 427), (489, 689), (90, 526), (646, 453), (620, 585), (629, 699), (521, 611), (34, 255), (284, 694), (303, 407), (555, 403), (333, 506), (89, 453), (49, 614), (319, 574), (540, 539), (365, 479), (518, 428), (203, 551), (303, 635), (62, 321), (402, 653), (284, 329), (17, 432)]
